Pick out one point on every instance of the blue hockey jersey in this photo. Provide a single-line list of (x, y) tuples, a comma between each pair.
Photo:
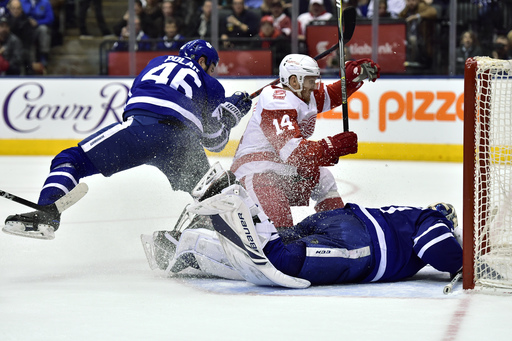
[(358, 244), (177, 87)]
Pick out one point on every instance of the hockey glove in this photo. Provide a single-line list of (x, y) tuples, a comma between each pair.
[(362, 69), (336, 146), (235, 107)]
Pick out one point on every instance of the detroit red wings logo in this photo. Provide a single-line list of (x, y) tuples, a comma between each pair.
[(307, 126), (279, 94)]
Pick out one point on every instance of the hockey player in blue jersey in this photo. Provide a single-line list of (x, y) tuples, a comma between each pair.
[(353, 244), (174, 110)]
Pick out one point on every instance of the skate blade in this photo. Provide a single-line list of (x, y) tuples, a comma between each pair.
[(149, 249), (18, 229)]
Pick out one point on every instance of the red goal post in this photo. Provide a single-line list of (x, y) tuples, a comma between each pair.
[(487, 179)]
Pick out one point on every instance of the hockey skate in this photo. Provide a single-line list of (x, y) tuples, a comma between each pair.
[(43, 223), (160, 248), (37, 224)]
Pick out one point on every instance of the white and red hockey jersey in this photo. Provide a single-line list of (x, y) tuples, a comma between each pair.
[(275, 139)]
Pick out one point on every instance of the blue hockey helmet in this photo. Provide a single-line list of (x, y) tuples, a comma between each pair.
[(198, 48)]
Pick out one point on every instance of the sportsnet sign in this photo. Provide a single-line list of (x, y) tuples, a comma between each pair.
[(391, 45)]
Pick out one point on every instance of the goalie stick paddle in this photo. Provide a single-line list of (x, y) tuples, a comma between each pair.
[(349, 16), (58, 206)]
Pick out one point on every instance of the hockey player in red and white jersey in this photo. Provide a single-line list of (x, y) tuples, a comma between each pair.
[(275, 161)]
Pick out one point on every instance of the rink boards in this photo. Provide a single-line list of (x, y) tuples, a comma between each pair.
[(395, 118)]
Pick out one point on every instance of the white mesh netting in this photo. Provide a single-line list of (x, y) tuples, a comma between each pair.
[(493, 172)]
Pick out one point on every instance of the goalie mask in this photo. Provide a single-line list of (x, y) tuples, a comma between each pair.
[(298, 65), (198, 48)]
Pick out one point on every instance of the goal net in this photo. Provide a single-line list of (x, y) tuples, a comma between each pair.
[(487, 213)]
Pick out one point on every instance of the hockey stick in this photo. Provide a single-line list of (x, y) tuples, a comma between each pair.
[(350, 21), (448, 288), (350, 24), (58, 206)]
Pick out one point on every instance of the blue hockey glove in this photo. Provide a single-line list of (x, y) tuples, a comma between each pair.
[(235, 107)]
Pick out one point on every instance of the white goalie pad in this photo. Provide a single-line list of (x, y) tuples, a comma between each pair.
[(204, 245), (241, 243), (208, 252)]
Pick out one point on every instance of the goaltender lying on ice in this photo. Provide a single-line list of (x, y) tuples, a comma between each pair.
[(224, 234)]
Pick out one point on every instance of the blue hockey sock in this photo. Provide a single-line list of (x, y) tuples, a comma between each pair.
[(441, 251), (59, 182), (67, 168)]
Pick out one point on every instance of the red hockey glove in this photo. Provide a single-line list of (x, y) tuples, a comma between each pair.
[(361, 69), (338, 145)]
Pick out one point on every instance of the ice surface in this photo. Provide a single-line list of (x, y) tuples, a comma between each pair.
[(93, 282)]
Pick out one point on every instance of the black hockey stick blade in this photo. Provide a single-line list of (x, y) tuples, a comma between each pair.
[(58, 206), (349, 18)]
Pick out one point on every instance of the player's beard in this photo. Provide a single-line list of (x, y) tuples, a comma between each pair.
[(305, 95)]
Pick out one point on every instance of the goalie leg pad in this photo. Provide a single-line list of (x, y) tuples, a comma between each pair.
[(242, 245), (209, 256)]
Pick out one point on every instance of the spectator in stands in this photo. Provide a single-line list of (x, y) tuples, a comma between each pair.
[(153, 24), (316, 12), (240, 23), (10, 50), (172, 40), (268, 31), (173, 9), (143, 41), (40, 15), (137, 8), (21, 27), (281, 20), (419, 18), (501, 48), (200, 26), (330, 5), (469, 47), (280, 48), (394, 8), (83, 7), (383, 9)]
